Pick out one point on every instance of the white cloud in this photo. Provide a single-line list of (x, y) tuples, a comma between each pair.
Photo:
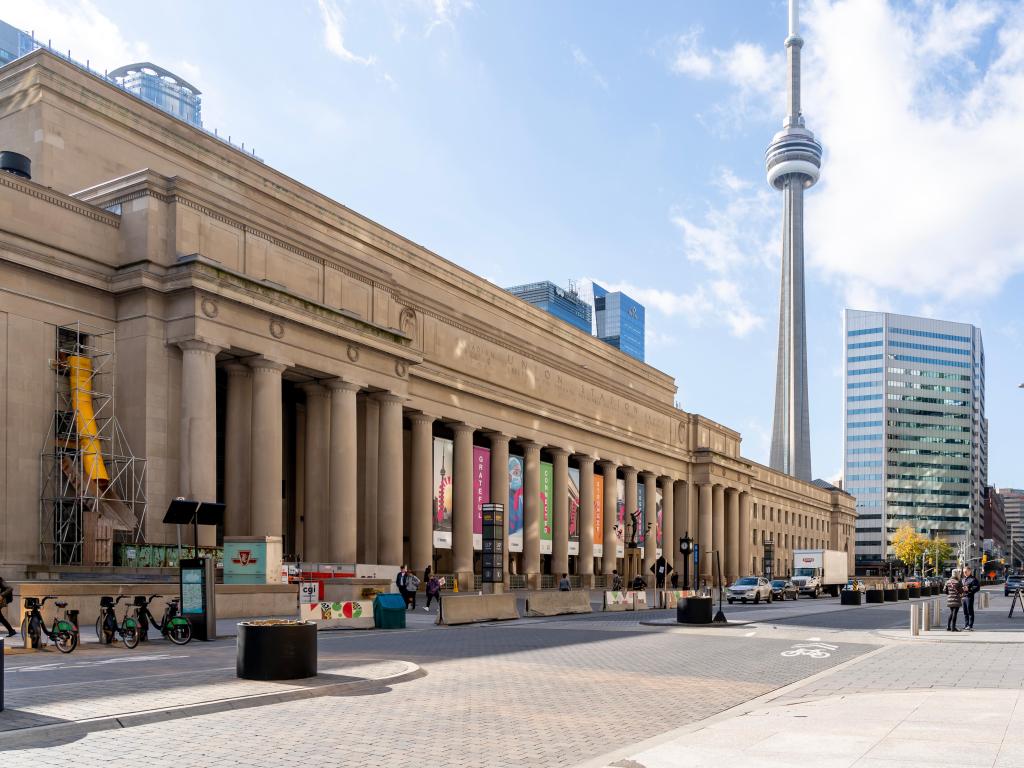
[(689, 60), (585, 64), (334, 33), (444, 12), (923, 172)]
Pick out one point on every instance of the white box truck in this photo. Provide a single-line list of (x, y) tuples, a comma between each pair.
[(817, 571)]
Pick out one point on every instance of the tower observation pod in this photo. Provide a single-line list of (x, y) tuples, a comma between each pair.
[(792, 162)]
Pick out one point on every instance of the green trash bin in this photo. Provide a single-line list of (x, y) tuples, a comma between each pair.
[(389, 611)]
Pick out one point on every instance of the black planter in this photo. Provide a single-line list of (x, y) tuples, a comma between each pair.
[(903, 593), (890, 595), (276, 651), (850, 597), (915, 592), (694, 610), (874, 596)]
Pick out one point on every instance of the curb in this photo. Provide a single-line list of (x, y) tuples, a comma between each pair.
[(77, 729)]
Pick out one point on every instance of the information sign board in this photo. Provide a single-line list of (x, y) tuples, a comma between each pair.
[(493, 555)]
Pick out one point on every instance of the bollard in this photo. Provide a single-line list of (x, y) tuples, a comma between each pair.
[(915, 627), (926, 615), (936, 612), (984, 599)]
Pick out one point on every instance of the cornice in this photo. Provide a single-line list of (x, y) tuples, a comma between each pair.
[(66, 202)]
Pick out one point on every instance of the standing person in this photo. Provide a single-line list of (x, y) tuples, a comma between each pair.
[(616, 581), (564, 585), (403, 574), (412, 583), (426, 574), (971, 587), (6, 596), (433, 591), (954, 598)]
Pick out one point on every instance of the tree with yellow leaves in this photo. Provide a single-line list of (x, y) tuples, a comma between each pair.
[(908, 545)]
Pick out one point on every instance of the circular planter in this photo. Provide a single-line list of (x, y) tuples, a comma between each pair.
[(694, 610), (915, 592), (284, 650), (903, 593), (874, 596), (851, 597), (890, 595)]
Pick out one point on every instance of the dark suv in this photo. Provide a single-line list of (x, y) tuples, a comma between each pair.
[(1013, 583)]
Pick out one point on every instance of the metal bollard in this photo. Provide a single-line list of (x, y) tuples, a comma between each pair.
[(915, 626), (984, 599), (926, 615), (936, 612)]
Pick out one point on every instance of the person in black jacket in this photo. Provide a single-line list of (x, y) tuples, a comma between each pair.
[(6, 596), (971, 587)]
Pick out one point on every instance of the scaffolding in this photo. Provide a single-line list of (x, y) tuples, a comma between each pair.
[(92, 487)]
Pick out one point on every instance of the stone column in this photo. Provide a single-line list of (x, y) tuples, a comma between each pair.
[(669, 542), (315, 528), (462, 501), (198, 441), (681, 508), (389, 481), (744, 534), (531, 515), (266, 447), (718, 526), (693, 511), (704, 531), (421, 495), (237, 451), (629, 475), (586, 521), (731, 561), (367, 471), (343, 504), (611, 540), (560, 513), (499, 493), (651, 535)]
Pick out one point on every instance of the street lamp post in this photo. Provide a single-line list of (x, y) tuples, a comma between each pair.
[(685, 548)]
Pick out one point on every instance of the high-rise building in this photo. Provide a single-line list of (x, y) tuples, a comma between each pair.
[(793, 160), (564, 303), (620, 321), (14, 43), (162, 89), (994, 541), (915, 435), (1013, 509)]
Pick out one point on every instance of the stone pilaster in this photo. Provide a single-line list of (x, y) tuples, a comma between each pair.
[(198, 461)]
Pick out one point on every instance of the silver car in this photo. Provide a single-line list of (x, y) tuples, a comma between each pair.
[(752, 588)]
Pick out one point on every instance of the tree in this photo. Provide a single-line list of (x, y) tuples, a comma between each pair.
[(908, 545)]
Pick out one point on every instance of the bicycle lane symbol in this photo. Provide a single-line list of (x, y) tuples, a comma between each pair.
[(814, 650)]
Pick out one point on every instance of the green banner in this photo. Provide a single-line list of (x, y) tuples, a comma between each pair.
[(547, 512)]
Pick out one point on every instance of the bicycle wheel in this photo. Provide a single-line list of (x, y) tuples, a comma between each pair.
[(65, 641), (24, 632), (99, 630), (35, 633), (130, 635), (179, 634)]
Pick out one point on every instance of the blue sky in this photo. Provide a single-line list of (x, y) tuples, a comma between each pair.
[(624, 143)]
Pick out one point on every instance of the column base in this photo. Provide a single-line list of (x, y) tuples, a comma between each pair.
[(586, 581), (533, 581), (466, 581)]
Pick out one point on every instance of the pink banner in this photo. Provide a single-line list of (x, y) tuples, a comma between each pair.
[(481, 491)]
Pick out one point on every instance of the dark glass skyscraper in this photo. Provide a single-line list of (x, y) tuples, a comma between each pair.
[(563, 303), (620, 321)]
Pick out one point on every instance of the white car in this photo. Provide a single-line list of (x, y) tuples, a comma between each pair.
[(752, 588)]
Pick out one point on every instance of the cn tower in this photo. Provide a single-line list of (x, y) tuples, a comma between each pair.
[(792, 160)]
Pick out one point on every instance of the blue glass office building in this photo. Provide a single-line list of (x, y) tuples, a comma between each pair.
[(620, 321), (563, 303), (162, 89), (14, 43)]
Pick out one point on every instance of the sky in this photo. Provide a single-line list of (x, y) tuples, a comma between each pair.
[(624, 142)]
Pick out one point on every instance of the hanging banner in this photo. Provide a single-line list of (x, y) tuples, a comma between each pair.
[(640, 517), (574, 511), (659, 508), (620, 517), (444, 454), (598, 515), (547, 510), (481, 492), (515, 504)]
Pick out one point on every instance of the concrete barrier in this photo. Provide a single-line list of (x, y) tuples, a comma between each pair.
[(670, 597), (640, 600), (470, 609), (347, 614), (548, 603), (618, 601)]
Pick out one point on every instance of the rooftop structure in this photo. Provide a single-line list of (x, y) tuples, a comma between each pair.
[(564, 303), (162, 89)]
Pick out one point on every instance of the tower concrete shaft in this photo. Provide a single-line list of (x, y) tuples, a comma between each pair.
[(792, 160)]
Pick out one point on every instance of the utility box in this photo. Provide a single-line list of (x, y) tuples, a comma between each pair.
[(389, 611), (252, 559)]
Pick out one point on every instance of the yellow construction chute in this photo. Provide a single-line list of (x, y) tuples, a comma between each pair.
[(80, 378)]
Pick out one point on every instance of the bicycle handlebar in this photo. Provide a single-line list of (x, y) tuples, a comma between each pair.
[(120, 598), (48, 597)]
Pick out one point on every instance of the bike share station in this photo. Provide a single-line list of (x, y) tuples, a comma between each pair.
[(197, 576)]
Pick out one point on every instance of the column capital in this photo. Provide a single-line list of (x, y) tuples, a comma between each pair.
[(389, 398), (531, 447), (498, 437), (265, 364), (629, 471), (558, 452), (313, 388), (646, 473), (607, 463), (340, 385), (461, 428), (197, 345), (582, 457), (667, 479), (418, 417), (236, 368)]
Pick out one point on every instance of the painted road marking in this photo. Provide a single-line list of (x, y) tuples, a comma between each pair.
[(96, 663), (814, 650)]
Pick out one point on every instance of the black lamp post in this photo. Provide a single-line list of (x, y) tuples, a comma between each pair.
[(685, 548)]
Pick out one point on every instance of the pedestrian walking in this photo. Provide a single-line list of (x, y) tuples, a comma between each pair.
[(6, 597), (616, 581), (433, 591), (564, 585), (674, 580), (403, 574), (954, 598), (412, 584), (971, 587)]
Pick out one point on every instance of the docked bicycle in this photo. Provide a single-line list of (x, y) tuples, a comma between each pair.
[(174, 627), (108, 627), (63, 633)]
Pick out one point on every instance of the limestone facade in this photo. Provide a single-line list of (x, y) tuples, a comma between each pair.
[(280, 352)]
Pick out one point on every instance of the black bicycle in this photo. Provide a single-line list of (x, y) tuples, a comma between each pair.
[(107, 625), (174, 627), (63, 633)]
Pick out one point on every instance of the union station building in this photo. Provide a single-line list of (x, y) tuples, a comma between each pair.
[(232, 335)]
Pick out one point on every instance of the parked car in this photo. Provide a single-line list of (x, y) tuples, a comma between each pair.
[(914, 581), (752, 588), (1013, 583), (784, 589)]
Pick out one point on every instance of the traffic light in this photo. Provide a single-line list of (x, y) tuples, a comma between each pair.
[(984, 559)]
